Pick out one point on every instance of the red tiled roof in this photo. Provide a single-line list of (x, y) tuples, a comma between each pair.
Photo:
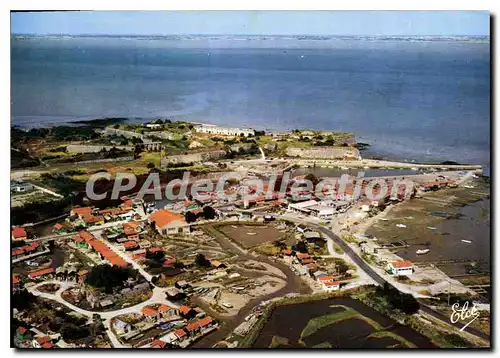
[(184, 309), (165, 308), (180, 333), (84, 236), (43, 339), (155, 249), (41, 272), (138, 256), (47, 345), (205, 321), (325, 278), (82, 211), (22, 330), (287, 252), (18, 232), (149, 311), (333, 283), (130, 244), (306, 261), (301, 256), (15, 279), (18, 251), (192, 326), (158, 344), (164, 217), (402, 264), (58, 226)]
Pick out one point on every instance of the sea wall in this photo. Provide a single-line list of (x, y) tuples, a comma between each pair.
[(324, 152)]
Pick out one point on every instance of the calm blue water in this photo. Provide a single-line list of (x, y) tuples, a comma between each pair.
[(411, 100)]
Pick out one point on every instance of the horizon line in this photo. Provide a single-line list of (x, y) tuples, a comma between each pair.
[(220, 34)]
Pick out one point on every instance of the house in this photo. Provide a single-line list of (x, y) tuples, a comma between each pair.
[(328, 283), (167, 311), (174, 294), (193, 328), (43, 273), (150, 313), (158, 344), (60, 228), (321, 211), (312, 235), (38, 342), (205, 323), (20, 186), (302, 228), (82, 213), (301, 256), (16, 283), (287, 252), (167, 222), (23, 333), (130, 245), (217, 264), (121, 327), (400, 268), (180, 334), (182, 285), (186, 312), (19, 234)]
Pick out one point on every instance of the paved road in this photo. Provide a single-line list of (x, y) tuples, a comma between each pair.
[(376, 277)]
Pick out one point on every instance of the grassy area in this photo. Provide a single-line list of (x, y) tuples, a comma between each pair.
[(317, 323), (267, 249), (338, 249), (382, 334), (349, 238), (279, 342)]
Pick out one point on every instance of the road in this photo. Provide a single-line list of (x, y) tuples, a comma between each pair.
[(374, 275)]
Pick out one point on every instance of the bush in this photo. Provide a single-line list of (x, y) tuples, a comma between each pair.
[(201, 261)]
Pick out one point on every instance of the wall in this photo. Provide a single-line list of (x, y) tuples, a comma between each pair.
[(78, 148), (324, 152)]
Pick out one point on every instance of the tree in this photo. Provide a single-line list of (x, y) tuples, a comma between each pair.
[(201, 261), (209, 212), (190, 217), (301, 246), (108, 277), (150, 165)]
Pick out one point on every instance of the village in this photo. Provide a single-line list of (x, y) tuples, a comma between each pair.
[(144, 274)]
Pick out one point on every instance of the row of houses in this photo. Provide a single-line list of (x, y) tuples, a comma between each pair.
[(27, 250), (86, 240)]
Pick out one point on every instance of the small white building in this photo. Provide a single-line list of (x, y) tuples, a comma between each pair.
[(400, 268), (328, 283), (322, 212)]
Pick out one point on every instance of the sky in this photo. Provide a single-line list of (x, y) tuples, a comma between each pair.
[(375, 23)]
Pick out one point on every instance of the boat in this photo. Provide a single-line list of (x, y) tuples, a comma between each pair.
[(400, 225), (467, 241), (366, 167), (431, 228), (468, 186), (422, 251), (409, 217), (344, 168), (414, 168), (384, 219)]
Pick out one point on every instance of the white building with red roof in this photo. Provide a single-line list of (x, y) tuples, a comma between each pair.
[(400, 268)]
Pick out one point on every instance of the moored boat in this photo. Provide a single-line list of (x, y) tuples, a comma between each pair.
[(422, 251)]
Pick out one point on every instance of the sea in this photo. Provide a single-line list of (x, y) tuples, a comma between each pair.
[(410, 100)]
